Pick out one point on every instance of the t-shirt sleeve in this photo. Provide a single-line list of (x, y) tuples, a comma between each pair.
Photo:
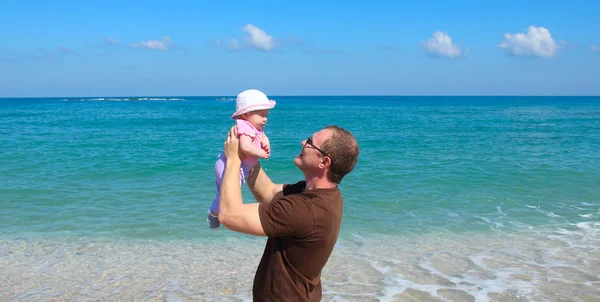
[(288, 216), (244, 128)]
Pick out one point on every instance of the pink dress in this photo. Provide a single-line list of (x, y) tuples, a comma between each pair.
[(245, 128)]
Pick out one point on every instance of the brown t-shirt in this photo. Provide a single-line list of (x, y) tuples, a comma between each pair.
[(302, 227)]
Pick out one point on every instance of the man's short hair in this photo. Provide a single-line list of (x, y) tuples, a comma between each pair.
[(342, 148)]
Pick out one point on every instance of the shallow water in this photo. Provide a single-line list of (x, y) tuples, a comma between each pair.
[(533, 265)]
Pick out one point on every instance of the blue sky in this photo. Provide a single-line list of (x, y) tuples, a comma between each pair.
[(158, 48)]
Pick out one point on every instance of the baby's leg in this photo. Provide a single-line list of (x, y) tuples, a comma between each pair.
[(219, 180), (213, 212), (219, 171), (214, 208), (245, 171)]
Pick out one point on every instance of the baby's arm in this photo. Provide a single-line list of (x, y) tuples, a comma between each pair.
[(248, 149), (265, 144)]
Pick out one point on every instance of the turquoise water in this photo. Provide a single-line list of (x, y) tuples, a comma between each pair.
[(504, 170)]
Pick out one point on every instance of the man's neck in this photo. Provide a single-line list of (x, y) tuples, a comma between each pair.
[(319, 183)]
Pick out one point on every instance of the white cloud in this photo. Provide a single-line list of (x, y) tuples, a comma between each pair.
[(595, 48), (111, 41), (537, 42), (162, 45), (440, 44), (259, 38), (256, 38)]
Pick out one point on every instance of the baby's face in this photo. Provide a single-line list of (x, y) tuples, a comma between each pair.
[(257, 118)]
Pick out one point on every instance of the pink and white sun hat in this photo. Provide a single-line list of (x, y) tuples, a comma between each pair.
[(250, 100)]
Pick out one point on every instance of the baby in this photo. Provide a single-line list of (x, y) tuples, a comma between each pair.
[(252, 108)]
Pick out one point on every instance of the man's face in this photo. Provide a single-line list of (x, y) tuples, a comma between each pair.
[(310, 157)]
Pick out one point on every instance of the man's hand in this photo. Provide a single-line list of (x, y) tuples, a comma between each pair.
[(232, 146)]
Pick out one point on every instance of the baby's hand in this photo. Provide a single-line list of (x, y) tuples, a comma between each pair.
[(265, 154), (266, 147)]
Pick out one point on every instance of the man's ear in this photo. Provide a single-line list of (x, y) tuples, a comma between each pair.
[(325, 161)]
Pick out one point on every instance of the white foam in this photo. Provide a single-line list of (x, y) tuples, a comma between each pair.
[(493, 225), (499, 208), (588, 225), (484, 219)]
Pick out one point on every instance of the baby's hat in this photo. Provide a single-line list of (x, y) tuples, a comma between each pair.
[(250, 100)]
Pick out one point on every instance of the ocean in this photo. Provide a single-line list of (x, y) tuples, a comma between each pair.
[(453, 198)]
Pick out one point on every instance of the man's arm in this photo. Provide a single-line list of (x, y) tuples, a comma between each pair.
[(261, 186), (233, 213)]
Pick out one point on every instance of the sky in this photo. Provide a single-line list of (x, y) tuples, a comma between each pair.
[(219, 48)]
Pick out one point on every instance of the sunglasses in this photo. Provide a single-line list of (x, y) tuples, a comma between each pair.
[(309, 142)]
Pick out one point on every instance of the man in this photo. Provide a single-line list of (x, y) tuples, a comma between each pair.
[(301, 220)]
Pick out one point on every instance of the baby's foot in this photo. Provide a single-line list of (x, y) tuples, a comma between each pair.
[(213, 220)]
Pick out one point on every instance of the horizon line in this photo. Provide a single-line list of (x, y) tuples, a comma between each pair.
[(315, 95)]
